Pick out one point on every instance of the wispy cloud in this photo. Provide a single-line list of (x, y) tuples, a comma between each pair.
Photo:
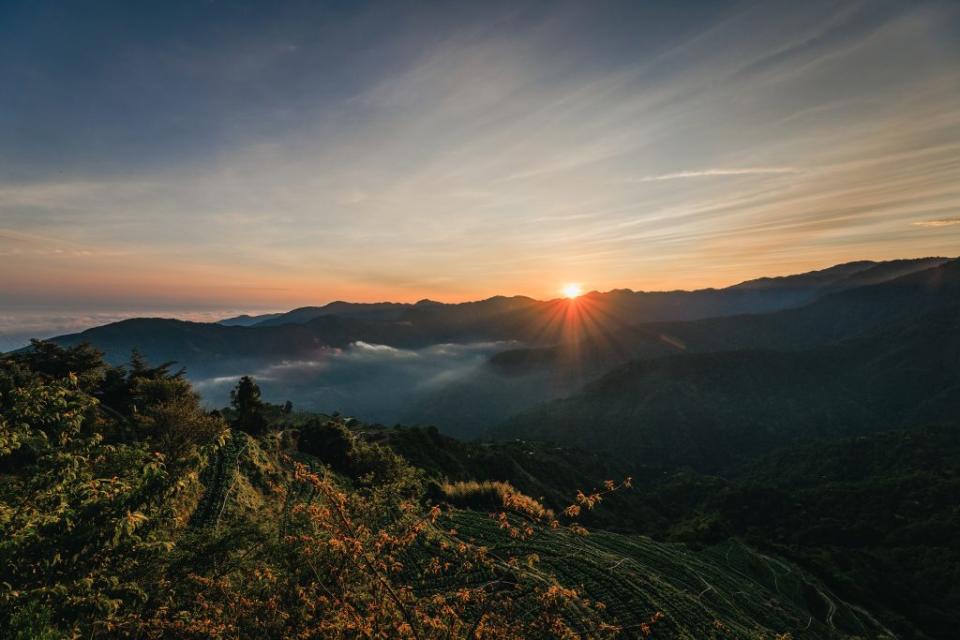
[(710, 173), (942, 222)]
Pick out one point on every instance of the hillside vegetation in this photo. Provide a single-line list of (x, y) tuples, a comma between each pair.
[(875, 517), (126, 510)]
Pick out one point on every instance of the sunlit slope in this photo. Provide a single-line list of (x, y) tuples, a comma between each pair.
[(727, 591)]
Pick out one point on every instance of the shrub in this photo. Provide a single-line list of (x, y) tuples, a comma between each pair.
[(489, 495), (346, 453)]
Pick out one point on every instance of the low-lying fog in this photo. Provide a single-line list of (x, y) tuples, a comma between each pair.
[(449, 385)]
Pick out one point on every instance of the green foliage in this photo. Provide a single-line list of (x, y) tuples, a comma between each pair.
[(154, 521), (149, 518), (547, 471), (750, 595), (171, 416), (875, 517), (332, 442), (80, 524), (52, 362), (33, 622)]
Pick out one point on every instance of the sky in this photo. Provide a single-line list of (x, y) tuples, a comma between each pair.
[(203, 156)]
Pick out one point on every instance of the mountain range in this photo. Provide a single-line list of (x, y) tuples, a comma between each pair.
[(620, 321)]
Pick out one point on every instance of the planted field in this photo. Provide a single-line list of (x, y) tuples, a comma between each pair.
[(720, 592), (217, 477)]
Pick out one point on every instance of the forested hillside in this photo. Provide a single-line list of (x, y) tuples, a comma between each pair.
[(465, 367), (126, 510), (875, 516), (710, 410)]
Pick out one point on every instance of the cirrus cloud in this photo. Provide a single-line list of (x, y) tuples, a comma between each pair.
[(712, 173), (942, 222)]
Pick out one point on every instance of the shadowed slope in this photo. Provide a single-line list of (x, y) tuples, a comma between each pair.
[(710, 409)]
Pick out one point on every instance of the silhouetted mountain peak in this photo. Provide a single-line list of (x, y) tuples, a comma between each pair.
[(818, 278), (246, 320)]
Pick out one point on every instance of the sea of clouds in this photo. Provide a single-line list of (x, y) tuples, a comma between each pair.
[(375, 382), (18, 327)]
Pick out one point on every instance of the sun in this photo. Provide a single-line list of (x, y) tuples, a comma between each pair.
[(572, 290)]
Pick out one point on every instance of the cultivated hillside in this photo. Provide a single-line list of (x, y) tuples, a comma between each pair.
[(127, 511)]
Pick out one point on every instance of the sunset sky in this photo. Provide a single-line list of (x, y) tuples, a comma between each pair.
[(201, 155)]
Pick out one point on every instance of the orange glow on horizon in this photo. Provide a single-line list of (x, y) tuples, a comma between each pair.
[(129, 281)]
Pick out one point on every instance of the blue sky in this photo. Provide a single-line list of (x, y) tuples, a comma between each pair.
[(265, 155)]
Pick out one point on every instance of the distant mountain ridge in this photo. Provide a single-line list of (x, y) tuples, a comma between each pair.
[(750, 296), (841, 311), (302, 315), (299, 333), (844, 276), (872, 358), (246, 320)]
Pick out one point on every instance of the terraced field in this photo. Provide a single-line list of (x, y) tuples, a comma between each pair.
[(720, 592), (238, 479), (729, 591), (218, 477)]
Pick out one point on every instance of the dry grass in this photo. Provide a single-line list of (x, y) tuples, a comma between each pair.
[(491, 495)]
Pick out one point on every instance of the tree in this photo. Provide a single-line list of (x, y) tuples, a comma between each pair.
[(171, 417), (53, 362), (245, 399)]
